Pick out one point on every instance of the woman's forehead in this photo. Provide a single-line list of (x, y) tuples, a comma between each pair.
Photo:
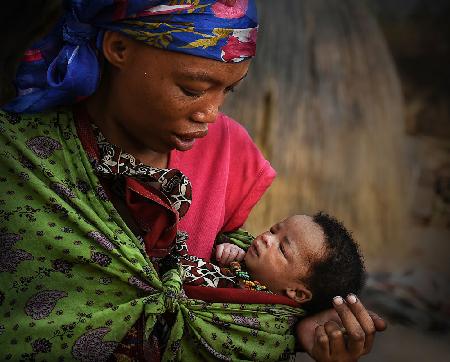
[(191, 67), (211, 77), (207, 70)]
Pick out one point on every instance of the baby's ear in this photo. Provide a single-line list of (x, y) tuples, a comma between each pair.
[(301, 294)]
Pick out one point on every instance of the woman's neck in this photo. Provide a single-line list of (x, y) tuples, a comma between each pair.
[(102, 114)]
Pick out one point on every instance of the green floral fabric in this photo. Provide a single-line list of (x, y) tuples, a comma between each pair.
[(74, 278)]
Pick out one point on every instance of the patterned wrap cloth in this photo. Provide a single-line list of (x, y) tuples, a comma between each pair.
[(74, 279), (64, 67)]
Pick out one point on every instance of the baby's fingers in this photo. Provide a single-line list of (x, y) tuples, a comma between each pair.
[(225, 255), (241, 255), (219, 252), (233, 252)]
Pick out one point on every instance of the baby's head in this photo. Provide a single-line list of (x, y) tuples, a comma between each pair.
[(309, 259)]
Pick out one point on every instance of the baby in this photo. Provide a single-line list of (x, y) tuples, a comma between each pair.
[(308, 259)]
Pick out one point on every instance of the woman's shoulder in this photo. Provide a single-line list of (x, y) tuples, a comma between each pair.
[(29, 119), (226, 130), (232, 125), (18, 127)]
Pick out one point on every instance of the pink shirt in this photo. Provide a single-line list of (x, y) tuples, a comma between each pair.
[(228, 175)]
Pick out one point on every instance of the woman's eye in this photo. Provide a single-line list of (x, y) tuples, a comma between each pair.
[(191, 92), (229, 89), (281, 249)]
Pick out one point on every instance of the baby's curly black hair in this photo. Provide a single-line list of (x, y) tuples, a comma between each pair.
[(341, 270)]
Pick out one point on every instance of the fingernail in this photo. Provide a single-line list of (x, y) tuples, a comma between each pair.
[(375, 316), (338, 300), (351, 298)]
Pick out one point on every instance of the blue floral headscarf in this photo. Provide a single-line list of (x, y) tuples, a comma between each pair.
[(63, 67)]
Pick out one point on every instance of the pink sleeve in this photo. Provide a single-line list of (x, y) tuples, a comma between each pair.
[(250, 175)]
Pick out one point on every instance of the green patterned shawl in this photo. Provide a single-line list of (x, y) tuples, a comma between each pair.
[(74, 278)]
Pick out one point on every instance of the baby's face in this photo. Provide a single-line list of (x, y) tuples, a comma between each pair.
[(281, 257)]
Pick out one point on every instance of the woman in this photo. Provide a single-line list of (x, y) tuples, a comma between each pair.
[(157, 104)]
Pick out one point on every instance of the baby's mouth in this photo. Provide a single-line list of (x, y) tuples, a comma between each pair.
[(254, 248)]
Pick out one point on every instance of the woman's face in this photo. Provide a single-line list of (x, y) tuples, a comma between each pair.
[(161, 100)]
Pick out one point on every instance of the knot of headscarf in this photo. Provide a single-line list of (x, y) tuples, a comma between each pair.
[(77, 33), (63, 68)]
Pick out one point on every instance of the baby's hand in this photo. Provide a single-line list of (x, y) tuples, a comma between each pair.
[(226, 253)]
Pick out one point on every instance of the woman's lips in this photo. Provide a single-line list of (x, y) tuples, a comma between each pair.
[(198, 134), (184, 142)]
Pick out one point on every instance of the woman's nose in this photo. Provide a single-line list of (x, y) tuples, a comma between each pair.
[(207, 115), (209, 110)]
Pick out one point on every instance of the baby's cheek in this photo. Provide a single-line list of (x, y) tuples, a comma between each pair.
[(247, 258)]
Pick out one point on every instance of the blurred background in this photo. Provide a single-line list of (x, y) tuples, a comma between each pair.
[(350, 101)]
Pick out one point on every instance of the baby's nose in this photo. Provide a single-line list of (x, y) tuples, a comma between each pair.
[(267, 238)]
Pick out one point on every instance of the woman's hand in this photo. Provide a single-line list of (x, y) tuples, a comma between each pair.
[(226, 253), (323, 338)]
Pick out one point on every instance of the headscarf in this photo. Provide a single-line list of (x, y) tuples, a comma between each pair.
[(64, 67)]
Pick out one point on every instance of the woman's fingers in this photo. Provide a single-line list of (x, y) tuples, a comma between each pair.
[(321, 347), (356, 335), (329, 342), (379, 323), (335, 335), (364, 319)]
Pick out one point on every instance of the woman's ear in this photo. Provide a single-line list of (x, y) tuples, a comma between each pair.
[(301, 294), (117, 48)]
